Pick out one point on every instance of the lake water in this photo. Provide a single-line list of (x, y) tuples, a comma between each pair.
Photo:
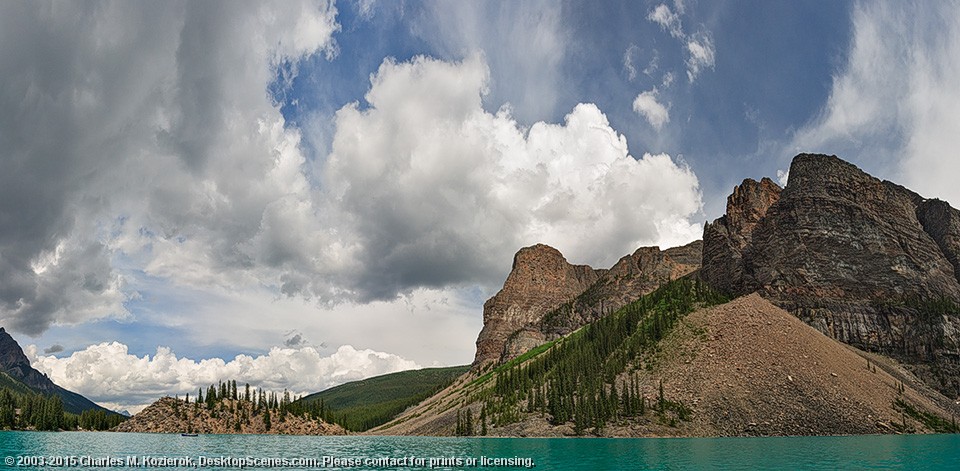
[(105, 450)]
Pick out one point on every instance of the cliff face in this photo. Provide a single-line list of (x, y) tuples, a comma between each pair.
[(545, 297), (630, 278), (727, 238), (540, 280), (864, 261)]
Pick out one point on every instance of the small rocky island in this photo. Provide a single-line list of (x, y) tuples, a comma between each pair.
[(225, 411)]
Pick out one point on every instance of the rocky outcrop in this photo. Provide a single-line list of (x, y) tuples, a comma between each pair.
[(545, 297), (541, 279), (630, 278), (866, 261), (726, 239), (230, 416), (942, 223)]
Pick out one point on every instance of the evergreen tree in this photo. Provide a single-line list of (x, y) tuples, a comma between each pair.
[(483, 420)]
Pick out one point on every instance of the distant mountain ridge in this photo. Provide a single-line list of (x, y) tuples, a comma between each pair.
[(367, 403), (16, 366)]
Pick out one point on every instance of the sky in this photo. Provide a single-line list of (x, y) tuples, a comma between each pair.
[(299, 194)]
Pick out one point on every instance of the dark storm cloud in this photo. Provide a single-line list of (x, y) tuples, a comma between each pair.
[(116, 121), (57, 348)]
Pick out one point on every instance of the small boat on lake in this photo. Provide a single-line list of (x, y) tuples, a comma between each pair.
[(189, 435)]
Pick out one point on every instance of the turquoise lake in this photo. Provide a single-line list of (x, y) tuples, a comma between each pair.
[(104, 450)]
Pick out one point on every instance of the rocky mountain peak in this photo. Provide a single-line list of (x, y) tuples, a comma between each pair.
[(541, 279), (858, 258), (11, 355), (726, 238), (541, 273), (546, 297), (16, 364), (749, 203)]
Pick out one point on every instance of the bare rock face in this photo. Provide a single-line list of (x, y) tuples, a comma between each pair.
[(545, 297), (866, 261), (541, 280), (726, 239), (630, 278), (942, 223)]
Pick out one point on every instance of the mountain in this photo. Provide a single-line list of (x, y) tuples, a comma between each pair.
[(361, 405), (867, 262), (844, 318), (545, 297), (683, 362), (15, 366)]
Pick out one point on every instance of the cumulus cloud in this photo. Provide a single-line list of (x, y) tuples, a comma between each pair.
[(893, 104), (647, 105), (441, 191), (156, 151), (108, 374)]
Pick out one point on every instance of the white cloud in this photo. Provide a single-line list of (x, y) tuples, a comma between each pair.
[(628, 64), (365, 8), (782, 177), (699, 47), (667, 79), (667, 19), (439, 190), (144, 131), (647, 105), (107, 373), (702, 54), (446, 322), (893, 106)]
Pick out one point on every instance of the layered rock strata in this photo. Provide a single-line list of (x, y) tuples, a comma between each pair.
[(545, 297), (866, 261)]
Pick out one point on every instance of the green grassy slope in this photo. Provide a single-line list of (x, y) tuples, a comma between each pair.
[(362, 405)]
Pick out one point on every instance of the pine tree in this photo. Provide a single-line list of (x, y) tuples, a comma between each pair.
[(483, 420), (661, 400)]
